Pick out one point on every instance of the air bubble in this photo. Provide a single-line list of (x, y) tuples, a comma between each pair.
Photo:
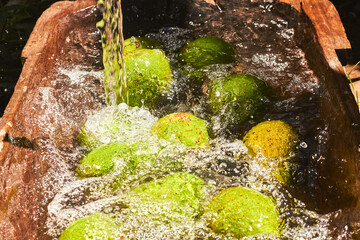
[(303, 145)]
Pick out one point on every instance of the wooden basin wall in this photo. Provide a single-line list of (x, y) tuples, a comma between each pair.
[(20, 147), (61, 36)]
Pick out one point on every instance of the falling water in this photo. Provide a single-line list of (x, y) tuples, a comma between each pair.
[(113, 48)]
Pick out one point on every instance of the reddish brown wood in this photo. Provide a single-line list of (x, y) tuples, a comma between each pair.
[(210, 1), (19, 201), (330, 31), (42, 44), (331, 36)]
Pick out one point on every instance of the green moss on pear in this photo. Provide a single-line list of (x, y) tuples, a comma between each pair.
[(242, 212), (96, 226), (149, 75), (183, 127), (180, 192), (126, 161), (238, 96)]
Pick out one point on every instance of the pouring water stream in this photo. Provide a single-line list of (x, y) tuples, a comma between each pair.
[(113, 51)]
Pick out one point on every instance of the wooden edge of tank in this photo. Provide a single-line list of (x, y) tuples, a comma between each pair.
[(354, 74), (40, 46), (329, 28), (331, 36)]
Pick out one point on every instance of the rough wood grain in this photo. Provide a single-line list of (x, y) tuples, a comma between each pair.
[(330, 32), (327, 22), (19, 200), (41, 45)]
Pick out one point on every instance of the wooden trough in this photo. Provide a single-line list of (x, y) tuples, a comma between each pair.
[(65, 35)]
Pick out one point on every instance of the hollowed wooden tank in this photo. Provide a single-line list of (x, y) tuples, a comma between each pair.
[(306, 34)]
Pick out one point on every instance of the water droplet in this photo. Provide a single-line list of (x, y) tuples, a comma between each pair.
[(303, 145)]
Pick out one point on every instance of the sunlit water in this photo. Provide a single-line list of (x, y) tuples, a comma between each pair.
[(225, 163), (113, 48)]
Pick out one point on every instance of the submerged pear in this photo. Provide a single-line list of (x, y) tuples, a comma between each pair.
[(205, 51), (99, 161), (126, 159), (238, 97), (183, 127), (149, 75), (96, 226), (276, 141), (102, 160), (181, 193), (242, 212)]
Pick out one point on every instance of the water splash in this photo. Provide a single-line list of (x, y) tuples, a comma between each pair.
[(113, 51), (223, 165)]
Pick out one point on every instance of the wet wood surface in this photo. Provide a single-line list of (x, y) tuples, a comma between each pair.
[(330, 31), (331, 35), (20, 163), (40, 48)]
